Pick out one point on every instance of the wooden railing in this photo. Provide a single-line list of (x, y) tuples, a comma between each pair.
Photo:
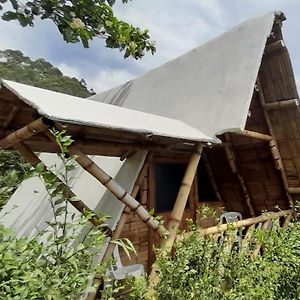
[(247, 226)]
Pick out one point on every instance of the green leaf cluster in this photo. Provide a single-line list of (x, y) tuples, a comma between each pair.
[(200, 268), (83, 20)]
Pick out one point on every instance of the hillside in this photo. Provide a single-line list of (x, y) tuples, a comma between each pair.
[(17, 67)]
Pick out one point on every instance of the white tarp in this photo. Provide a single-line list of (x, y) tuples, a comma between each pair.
[(75, 110), (209, 88), (29, 208)]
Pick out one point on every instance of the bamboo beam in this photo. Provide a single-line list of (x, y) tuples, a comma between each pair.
[(254, 135), (274, 46), (211, 176), (25, 132), (273, 145), (257, 248), (281, 104), (126, 211), (78, 204), (177, 212), (122, 222), (243, 223), (182, 196), (123, 196), (232, 163), (294, 190), (246, 240), (287, 221)]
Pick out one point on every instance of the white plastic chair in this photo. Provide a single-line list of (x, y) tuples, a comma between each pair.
[(117, 271), (230, 217)]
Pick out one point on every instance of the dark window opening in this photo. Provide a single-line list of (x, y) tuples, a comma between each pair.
[(206, 190), (168, 178)]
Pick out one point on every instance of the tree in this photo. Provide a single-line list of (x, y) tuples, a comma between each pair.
[(83, 20)]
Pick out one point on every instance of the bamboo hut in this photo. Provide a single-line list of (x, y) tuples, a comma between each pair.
[(219, 125)]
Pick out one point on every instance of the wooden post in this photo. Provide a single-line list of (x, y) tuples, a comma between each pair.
[(211, 176), (78, 204), (177, 212), (122, 222), (273, 145), (256, 250), (116, 189), (126, 211), (232, 163), (254, 135), (24, 133), (282, 104), (181, 200), (242, 223)]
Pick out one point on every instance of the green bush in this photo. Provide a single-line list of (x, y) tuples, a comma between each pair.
[(202, 269)]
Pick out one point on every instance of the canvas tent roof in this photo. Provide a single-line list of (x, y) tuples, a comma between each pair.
[(69, 109), (210, 87)]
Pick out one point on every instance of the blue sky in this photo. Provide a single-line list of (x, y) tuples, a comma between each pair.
[(176, 25)]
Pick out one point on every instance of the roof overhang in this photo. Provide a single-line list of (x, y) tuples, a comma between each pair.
[(98, 128)]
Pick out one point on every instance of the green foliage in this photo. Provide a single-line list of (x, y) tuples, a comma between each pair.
[(40, 73), (61, 266), (12, 172), (202, 269), (82, 21)]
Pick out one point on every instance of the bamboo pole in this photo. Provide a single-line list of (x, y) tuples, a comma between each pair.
[(115, 189), (287, 221), (242, 223), (126, 211), (256, 250), (273, 145), (24, 133), (246, 240), (232, 163), (274, 46), (122, 222), (78, 204), (281, 104), (294, 190), (254, 135), (211, 176), (177, 213), (181, 200)]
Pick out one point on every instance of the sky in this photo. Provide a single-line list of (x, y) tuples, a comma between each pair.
[(176, 26)]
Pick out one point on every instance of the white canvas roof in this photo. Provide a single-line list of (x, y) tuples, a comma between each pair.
[(75, 110), (209, 88)]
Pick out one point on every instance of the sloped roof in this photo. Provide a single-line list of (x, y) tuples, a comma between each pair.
[(210, 87), (69, 109)]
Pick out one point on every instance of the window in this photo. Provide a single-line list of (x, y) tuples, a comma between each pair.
[(168, 178)]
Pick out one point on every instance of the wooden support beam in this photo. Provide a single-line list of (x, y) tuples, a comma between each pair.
[(24, 133), (122, 195), (281, 104), (126, 211), (274, 46), (256, 251), (254, 135), (273, 145), (242, 223), (177, 212), (122, 222), (294, 190), (211, 176), (232, 163), (30, 157)]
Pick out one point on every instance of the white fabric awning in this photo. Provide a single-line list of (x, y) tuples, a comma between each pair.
[(74, 110)]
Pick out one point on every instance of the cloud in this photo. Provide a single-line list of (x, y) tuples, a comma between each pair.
[(109, 78), (69, 71)]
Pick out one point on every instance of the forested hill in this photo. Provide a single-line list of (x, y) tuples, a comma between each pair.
[(40, 73)]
